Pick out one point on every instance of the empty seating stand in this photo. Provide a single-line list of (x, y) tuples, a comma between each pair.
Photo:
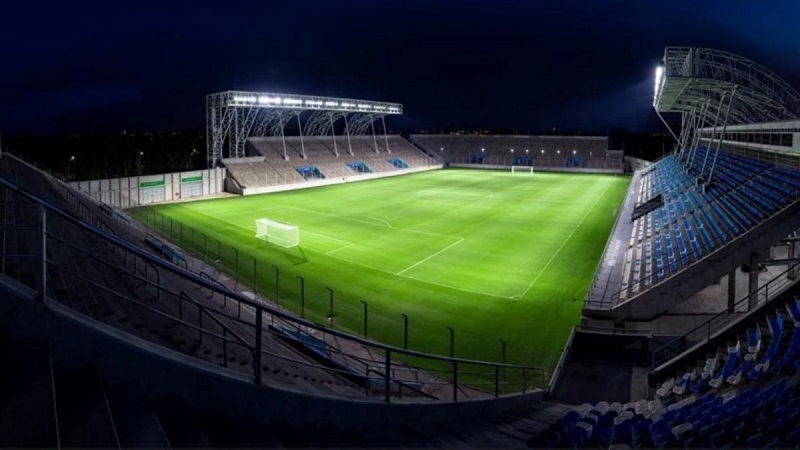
[(695, 220), (744, 394)]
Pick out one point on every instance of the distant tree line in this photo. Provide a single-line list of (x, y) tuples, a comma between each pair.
[(96, 156)]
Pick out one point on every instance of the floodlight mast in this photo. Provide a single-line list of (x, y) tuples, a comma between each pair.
[(233, 116)]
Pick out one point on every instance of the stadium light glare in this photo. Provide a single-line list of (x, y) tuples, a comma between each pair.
[(574, 152), (543, 151), (244, 99), (659, 80), (267, 100), (512, 150), (292, 101), (331, 103), (526, 150), (558, 152), (483, 150)]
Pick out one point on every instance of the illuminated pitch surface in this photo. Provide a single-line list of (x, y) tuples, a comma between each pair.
[(492, 254)]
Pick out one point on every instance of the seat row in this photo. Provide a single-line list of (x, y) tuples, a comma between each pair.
[(695, 220)]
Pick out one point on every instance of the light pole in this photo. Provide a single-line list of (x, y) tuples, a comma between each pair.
[(139, 162), (69, 167)]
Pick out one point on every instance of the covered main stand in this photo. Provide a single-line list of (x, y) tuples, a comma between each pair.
[(712, 89), (234, 116)]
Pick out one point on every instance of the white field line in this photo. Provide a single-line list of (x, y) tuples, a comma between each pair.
[(346, 244), (453, 287), (372, 223), (340, 248), (460, 240), (423, 193), (327, 237), (419, 279), (349, 217), (567, 239)]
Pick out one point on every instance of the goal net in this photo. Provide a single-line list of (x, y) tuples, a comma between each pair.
[(278, 233), (521, 169)]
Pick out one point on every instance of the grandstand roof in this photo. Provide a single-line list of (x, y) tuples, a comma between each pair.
[(301, 102), (233, 116), (693, 79)]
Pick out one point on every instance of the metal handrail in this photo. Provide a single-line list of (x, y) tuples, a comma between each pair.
[(215, 319), (721, 321), (258, 307), (141, 305)]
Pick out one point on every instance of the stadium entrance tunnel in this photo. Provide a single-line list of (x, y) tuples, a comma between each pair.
[(476, 158), (359, 167), (310, 172), (399, 163)]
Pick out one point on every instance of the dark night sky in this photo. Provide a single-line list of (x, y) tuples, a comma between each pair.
[(147, 65)]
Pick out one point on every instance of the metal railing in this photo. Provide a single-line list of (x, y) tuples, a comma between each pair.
[(217, 327), (724, 320)]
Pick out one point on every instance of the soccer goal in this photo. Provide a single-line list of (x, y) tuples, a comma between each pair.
[(278, 233), (521, 169)]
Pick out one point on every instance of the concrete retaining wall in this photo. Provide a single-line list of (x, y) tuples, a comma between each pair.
[(333, 181), (141, 190)]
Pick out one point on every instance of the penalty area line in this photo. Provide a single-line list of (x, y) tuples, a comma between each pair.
[(460, 240), (563, 244)]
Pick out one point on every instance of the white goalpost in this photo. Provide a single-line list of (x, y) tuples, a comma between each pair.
[(521, 169), (278, 233)]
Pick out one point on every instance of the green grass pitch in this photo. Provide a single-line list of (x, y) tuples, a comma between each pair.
[(492, 254)]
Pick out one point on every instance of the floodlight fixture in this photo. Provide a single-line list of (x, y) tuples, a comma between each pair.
[(574, 152), (512, 150), (659, 80), (232, 117), (526, 150), (558, 152), (483, 150)]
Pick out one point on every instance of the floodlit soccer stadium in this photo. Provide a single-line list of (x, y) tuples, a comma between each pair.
[(326, 282)]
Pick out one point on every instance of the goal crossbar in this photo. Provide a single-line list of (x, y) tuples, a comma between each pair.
[(278, 233), (521, 169)]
